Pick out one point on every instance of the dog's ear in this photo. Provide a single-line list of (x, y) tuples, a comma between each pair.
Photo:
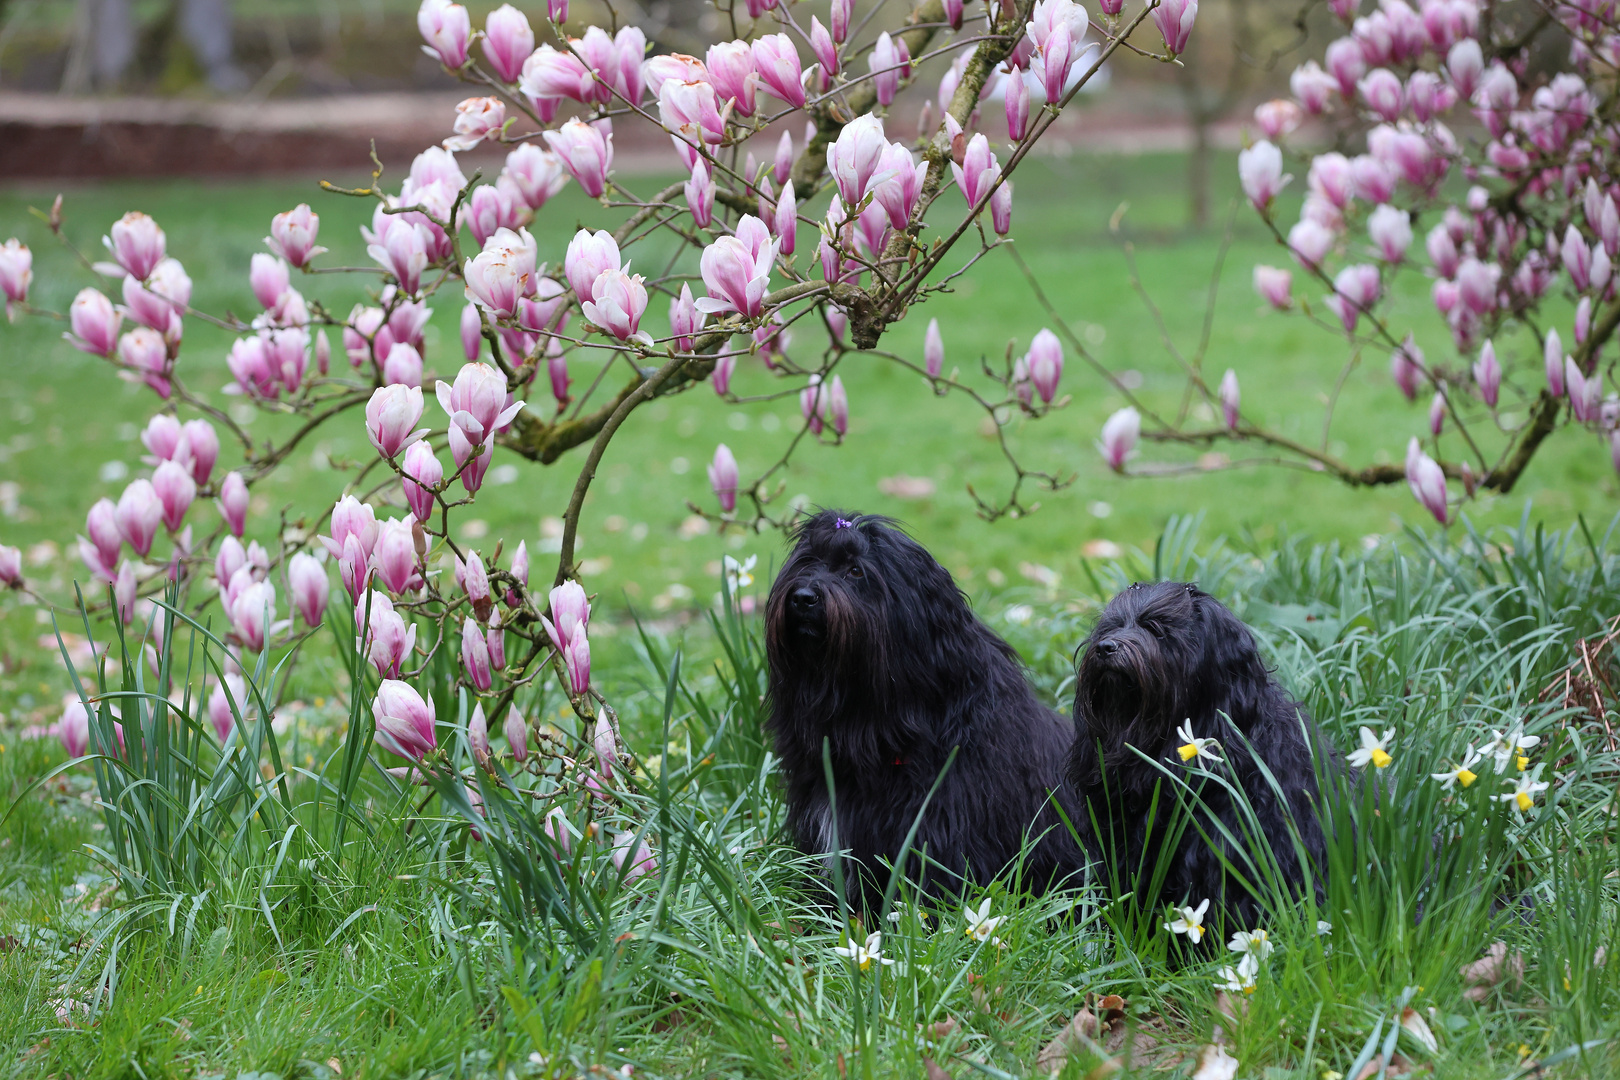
[(1234, 677)]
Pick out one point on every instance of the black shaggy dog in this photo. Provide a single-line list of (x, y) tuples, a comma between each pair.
[(873, 649), (1167, 657)]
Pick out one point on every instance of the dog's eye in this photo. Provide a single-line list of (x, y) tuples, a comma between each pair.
[(1153, 628), (856, 572)]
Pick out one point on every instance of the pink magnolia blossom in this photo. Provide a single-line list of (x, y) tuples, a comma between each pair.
[(233, 502), (475, 656), (620, 301), (471, 450), (138, 513), (1488, 374), (136, 243), (1310, 242), (16, 273), (1174, 18), (979, 169), (503, 273), (825, 50), (724, 368), (145, 354), (577, 661), (125, 587), (1585, 393), (899, 193), (203, 443), (855, 157), (1553, 363), (228, 692), (736, 278), (557, 372), (733, 70), (1260, 170), (1476, 284), (392, 415), (786, 220), (589, 254), (1391, 232), (552, 74), (403, 367), (570, 612), (1045, 362), (388, 638), (1017, 105), (403, 254), (1231, 398), (1313, 87), (394, 557), (1278, 118), (685, 320), (1427, 481), (1346, 63), (1001, 206), (629, 53), (310, 587), (691, 113), (586, 152), (95, 323), (480, 392), (422, 473), (723, 478), (1274, 285), (884, 63), (1406, 367), (1355, 290), (175, 491), (107, 539), (537, 174), (1465, 63), (1119, 436), (1380, 89), (268, 277), (777, 62), (508, 41), (700, 195), (1577, 258), (1332, 178), (74, 729), (1437, 413), (1374, 180), (632, 857), (253, 613), (404, 720), (10, 567), (447, 30), (933, 350)]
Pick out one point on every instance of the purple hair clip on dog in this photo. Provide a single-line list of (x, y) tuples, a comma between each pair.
[(840, 523)]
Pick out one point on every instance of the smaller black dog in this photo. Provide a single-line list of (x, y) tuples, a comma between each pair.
[(1166, 657), (874, 649)]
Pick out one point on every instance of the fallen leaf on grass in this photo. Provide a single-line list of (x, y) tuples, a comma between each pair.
[(1496, 967), (1079, 1033), (1418, 1028), (933, 1071), (69, 1008)]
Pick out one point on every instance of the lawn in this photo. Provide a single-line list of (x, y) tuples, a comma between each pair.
[(264, 941)]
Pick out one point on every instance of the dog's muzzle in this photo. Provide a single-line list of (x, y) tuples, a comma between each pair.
[(807, 613)]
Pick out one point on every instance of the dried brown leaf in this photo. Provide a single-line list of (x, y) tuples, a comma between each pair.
[(933, 1071)]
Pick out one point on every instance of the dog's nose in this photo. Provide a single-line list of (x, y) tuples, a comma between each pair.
[(1106, 647), (804, 600)]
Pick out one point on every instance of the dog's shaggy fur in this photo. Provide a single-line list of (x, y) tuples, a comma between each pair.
[(874, 649), (1166, 655)]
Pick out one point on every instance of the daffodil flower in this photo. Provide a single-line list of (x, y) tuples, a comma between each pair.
[(979, 924), (1240, 979), (1189, 921), (865, 955), (1374, 750), (1524, 792), (1192, 747), (1510, 747), (739, 575), (1464, 773), (1254, 944)]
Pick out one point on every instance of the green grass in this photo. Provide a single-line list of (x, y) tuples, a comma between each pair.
[(413, 950), (409, 949)]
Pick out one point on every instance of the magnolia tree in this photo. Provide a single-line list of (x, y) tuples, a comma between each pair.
[(1519, 219), (889, 236)]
